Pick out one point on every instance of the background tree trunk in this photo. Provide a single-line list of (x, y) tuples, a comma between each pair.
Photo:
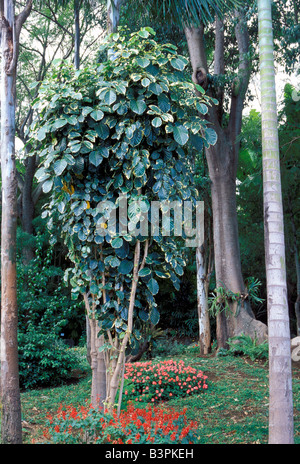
[(202, 300), (222, 160), (280, 373), (113, 15), (77, 34)]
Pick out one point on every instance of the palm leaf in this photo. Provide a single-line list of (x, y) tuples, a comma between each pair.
[(184, 12)]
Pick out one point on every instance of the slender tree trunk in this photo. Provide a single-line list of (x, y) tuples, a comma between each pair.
[(96, 358), (118, 371), (280, 373), (11, 428), (203, 315), (113, 15), (98, 392), (77, 34)]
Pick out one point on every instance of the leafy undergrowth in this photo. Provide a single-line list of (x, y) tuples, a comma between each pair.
[(232, 410)]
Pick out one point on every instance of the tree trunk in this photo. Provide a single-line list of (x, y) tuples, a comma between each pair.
[(113, 15), (118, 370), (96, 358), (202, 303), (11, 428), (77, 34), (98, 392), (280, 373)]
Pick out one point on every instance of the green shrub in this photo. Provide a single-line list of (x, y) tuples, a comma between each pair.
[(43, 299), (44, 360), (244, 345), (167, 347)]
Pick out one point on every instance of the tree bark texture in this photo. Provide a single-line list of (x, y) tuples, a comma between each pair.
[(11, 429), (113, 15), (77, 34), (95, 357), (202, 301), (280, 373), (222, 160)]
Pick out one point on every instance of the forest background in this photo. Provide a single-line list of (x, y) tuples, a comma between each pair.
[(43, 298)]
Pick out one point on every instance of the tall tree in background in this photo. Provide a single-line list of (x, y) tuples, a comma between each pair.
[(222, 157), (280, 374), (222, 160), (11, 26), (113, 15)]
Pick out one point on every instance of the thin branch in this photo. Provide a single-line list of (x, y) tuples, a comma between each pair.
[(53, 19), (18, 23), (145, 255)]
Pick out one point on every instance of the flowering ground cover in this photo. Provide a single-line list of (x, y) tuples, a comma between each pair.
[(159, 381), (233, 410), (72, 425)]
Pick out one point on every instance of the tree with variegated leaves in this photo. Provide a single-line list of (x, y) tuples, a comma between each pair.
[(113, 132)]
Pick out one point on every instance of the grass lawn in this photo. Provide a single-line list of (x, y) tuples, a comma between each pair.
[(233, 410)]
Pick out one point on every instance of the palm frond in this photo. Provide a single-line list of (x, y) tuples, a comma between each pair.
[(184, 12)]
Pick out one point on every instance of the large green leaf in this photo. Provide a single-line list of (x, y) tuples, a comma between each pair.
[(136, 138), (58, 124), (143, 315), (154, 316), (110, 97), (142, 61), (47, 185), (153, 286), (156, 122), (138, 106), (42, 132), (41, 174), (117, 242), (210, 136), (181, 134), (59, 166), (102, 130), (95, 158), (125, 267), (179, 63), (145, 272), (97, 115)]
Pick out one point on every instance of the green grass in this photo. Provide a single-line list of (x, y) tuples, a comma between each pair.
[(234, 409)]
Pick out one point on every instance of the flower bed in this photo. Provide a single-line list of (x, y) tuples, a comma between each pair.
[(154, 382), (134, 425)]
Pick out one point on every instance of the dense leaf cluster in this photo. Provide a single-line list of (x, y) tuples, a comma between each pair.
[(121, 128)]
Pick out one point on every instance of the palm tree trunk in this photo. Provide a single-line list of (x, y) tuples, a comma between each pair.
[(280, 374)]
